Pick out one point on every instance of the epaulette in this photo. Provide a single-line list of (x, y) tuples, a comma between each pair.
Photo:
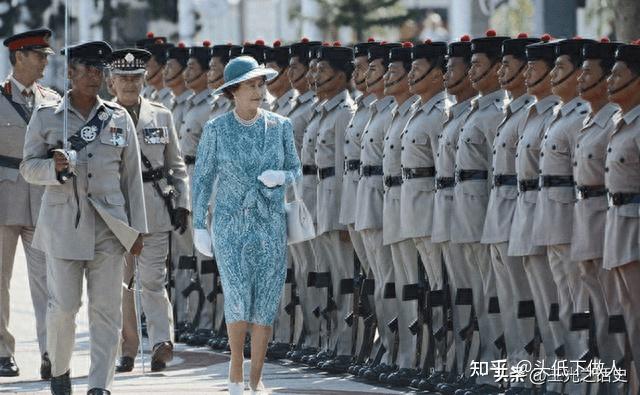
[(46, 89), (47, 104), (441, 104), (157, 104)]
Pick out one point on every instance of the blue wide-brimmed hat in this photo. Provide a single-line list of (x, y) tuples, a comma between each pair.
[(244, 68)]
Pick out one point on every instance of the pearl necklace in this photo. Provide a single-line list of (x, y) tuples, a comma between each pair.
[(244, 122)]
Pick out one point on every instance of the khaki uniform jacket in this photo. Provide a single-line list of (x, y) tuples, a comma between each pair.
[(527, 156), (502, 199), (159, 143), (589, 215), (109, 182), (19, 200), (622, 174), (352, 143), (196, 115), (369, 200), (419, 147), (336, 115), (392, 167), (178, 108), (284, 104), (220, 105), (164, 96), (300, 115), (474, 152), (553, 217), (147, 91), (445, 167), (308, 158)]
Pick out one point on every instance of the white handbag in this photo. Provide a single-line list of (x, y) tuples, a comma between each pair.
[(299, 222)]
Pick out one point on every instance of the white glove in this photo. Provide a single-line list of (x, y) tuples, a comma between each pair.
[(202, 241), (272, 178)]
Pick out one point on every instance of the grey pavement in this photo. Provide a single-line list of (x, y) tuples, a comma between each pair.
[(193, 370)]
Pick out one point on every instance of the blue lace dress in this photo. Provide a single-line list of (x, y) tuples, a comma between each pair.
[(248, 226)]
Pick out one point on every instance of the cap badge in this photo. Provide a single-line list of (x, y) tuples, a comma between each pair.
[(129, 58)]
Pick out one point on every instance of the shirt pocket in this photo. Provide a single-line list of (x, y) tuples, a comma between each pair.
[(326, 137), (473, 136), (507, 192)]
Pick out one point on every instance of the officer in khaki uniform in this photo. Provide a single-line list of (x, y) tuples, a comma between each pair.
[(471, 192), (89, 219), (553, 217), (197, 112), (511, 279), (160, 155), (590, 210), (177, 58), (334, 252), (404, 254), (369, 203), (19, 201), (457, 83), (622, 181), (419, 146)]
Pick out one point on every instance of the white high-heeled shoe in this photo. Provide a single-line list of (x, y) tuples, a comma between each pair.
[(236, 388), (259, 390)]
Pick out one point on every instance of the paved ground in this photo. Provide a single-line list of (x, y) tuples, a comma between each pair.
[(193, 370)]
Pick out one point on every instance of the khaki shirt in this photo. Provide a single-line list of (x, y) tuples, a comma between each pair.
[(336, 114), (474, 152), (370, 189), (419, 146), (308, 158), (502, 199), (300, 114), (622, 174), (220, 105), (527, 158), (392, 167), (352, 142), (178, 108), (19, 200), (445, 167), (147, 91), (106, 197), (284, 104), (196, 115), (159, 143), (553, 218), (164, 96)]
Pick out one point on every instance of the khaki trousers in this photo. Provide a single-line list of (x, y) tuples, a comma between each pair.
[(627, 278)]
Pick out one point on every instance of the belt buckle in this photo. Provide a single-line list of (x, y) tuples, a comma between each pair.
[(611, 200), (581, 193)]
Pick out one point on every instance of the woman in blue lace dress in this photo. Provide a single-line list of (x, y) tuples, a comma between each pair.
[(246, 157)]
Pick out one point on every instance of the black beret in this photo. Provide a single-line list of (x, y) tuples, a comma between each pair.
[(401, 54), (179, 53), (34, 40), (235, 51), (517, 47), (429, 50), (301, 49), (93, 53), (129, 60), (278, 54), (603, 50), (490, 44), (572, 47), (629, 53), (542, 50), (335, 54), (150, 39), (256, 51), (381, 51), (362, 49), (202, 54), (460, 49), (221, 52), (159, 51)]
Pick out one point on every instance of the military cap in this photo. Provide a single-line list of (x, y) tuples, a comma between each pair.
[(572, 47), (159, 51), (129, 61), (429, 50), (603, 50), (202, 54), (460, 49), (362, 49), (542, 50), (491, 44), (256, 51), (516, 47), (301, 49), (336, 54), (179, 53), (313, 50), (381, 51), (93, 53), (235, 51), (33, 40), (278, 54), (402, 53), (629, 53), (221, 52), (150, 39)]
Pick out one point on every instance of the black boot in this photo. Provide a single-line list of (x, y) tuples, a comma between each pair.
[(124, 364), (45, 367), (61, 385), (98, 391), (8, 367)]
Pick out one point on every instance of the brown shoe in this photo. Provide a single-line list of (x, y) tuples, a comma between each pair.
[(162, 353)]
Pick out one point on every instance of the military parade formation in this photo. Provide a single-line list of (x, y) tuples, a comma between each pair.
[(475, 201)]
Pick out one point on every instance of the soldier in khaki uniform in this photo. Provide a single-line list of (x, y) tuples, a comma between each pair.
[(419, 147), (334, 252), (622, 181), (590, 210), (215, 78), (202, 268), (160, 155), (150, 38), (369, 203), (88, 219), (258, 51), (155, 68), (162, 94), (404, 254), (457, 83), (553, 217), (511, 279), (177, 58), (19, 201)]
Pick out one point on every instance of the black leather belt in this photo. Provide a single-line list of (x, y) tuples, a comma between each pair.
[(189, 160), (418, 172), (326, 172), (351, 165), (7, 161), (468, 175), (445, 182), (309, 170), (622, 198), (392, 181), (153, 175), (505, 179), (528, 185), (368, 171), (556, 181), (590, 191)]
